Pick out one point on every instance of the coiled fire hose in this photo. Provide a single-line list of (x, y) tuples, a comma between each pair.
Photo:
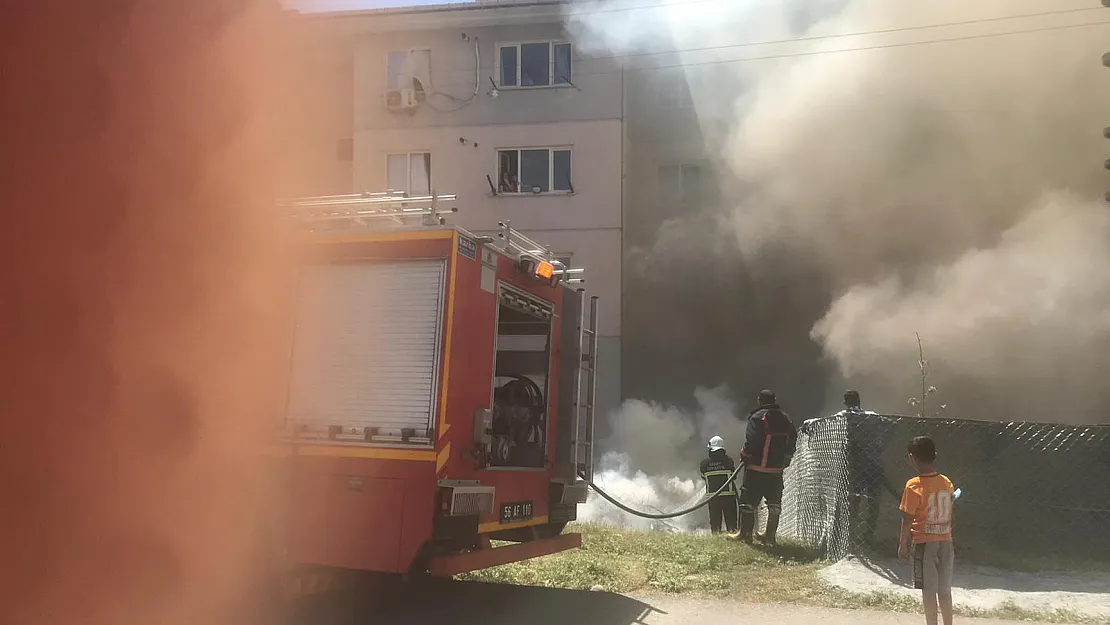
[(666, 515)]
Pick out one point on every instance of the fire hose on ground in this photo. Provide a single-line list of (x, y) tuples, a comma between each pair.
[(668, 515), (671, 515)]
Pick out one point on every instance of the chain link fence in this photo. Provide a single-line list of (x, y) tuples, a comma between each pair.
[(1034, 494)]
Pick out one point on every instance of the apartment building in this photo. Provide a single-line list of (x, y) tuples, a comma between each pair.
[(488, 101), (314, 154), (613, 160)]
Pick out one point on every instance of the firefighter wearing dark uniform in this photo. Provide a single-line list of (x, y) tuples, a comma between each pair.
[(716, 470), (866, 476), (769, 446)]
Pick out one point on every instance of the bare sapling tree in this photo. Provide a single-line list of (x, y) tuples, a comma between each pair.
[(926, 390)]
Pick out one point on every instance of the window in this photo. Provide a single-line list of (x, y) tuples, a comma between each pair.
[(534, 170), (680, 184), (535, 64), (410, 172), (408, 69)]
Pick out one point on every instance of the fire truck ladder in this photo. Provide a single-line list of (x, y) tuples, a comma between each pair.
[(389, 209), (585, 391), (516, 244)]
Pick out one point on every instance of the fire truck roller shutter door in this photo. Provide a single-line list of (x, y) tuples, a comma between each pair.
[(366, 346)]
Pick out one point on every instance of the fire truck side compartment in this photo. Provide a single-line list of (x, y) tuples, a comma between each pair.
[(361, 505), (469, 388)]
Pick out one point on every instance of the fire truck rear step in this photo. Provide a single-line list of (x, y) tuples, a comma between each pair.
[(455, 564)]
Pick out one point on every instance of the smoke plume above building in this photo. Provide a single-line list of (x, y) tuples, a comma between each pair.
[(880, 178)]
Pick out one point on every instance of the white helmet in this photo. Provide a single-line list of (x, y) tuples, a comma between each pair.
[(716, 443)]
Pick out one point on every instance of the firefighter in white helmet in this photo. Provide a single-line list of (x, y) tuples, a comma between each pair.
[(717, 469)]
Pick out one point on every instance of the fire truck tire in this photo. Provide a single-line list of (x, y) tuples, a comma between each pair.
[(418, 570)]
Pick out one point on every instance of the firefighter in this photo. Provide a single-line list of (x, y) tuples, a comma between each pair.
[(769, 446), (716, 469), (866, 477)]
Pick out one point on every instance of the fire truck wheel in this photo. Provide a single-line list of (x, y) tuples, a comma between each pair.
[(418, 570)]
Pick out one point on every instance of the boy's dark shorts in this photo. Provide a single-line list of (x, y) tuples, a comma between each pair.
[(932, 567)]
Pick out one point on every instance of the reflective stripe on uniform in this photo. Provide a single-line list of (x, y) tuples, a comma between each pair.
[(727, 491)]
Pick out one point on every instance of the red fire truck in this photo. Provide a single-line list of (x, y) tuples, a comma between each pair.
[(440, 391)]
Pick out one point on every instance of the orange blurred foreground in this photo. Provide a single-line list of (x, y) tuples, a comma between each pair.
[(140, 270)]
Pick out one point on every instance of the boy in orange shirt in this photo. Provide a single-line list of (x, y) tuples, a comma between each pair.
[(927, 523)]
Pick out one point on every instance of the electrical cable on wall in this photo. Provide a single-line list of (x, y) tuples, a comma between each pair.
[(667, 515), (462, 101), (767, 57)]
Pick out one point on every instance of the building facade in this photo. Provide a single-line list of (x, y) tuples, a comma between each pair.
[(487, 102), (315, 154), (618, 161)]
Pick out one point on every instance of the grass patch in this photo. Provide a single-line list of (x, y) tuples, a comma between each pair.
[(629, 561)]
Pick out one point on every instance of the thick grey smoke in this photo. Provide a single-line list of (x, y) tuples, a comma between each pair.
[(951, 189)]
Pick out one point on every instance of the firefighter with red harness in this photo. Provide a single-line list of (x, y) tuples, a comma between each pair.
[(769, 446)]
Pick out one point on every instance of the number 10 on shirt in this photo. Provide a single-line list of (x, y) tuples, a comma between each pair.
[(939, 520)]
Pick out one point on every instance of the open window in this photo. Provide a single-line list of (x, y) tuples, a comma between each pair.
[(409, 69), (522, 360), (535, 64), (534, 170)]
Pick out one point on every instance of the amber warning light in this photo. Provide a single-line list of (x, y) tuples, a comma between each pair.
[(545, 270)]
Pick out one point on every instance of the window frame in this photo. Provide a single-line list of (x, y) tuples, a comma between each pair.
[(408, 165), (423, 88), (551, 149), (682, 199), (551, 43)]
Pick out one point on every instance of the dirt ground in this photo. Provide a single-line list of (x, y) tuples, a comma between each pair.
[(984, 588), (672, 610), (473, 603)]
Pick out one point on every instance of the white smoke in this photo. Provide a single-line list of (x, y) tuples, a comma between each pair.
[(652, 494), (654, 465)]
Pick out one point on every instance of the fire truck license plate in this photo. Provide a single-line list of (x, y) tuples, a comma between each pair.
[(516, 511)]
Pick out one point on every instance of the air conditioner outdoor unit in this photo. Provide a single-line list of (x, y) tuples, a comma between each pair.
[(403, 99)]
